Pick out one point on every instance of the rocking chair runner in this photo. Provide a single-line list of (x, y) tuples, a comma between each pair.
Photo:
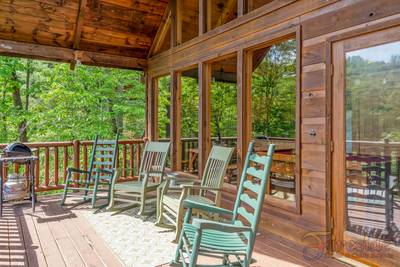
[(171, 199), (100, 171), (236, 238), (152, 167)]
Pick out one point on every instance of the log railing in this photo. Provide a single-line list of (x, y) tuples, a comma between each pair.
[(56, 157)]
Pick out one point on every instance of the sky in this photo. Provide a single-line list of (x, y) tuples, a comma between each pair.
[(378, 53)]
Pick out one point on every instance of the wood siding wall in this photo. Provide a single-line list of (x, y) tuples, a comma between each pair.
[(319, 20)]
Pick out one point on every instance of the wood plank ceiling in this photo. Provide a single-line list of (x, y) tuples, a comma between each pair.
[(113, 27)]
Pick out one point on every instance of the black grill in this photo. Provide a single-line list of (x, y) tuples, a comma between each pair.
[(17, 150)]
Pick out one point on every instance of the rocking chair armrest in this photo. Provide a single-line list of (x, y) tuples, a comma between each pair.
[(199, 187), (152, 172), (75, 170), (219, 226), (205, 207), (181, 179)]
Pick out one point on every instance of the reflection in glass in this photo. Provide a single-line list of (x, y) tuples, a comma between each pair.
[(274, 112), (373, 141)]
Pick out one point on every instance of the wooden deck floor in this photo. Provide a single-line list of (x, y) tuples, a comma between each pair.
[(54, 236)]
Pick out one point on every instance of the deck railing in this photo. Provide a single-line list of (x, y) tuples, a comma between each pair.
[(55, 157)]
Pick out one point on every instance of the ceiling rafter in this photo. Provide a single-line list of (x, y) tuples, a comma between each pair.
[(161, 32), (78, 29)]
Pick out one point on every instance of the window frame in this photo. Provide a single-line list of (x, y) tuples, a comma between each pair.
[(284, 204)]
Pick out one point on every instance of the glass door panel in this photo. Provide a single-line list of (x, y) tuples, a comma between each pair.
[(372, 147)]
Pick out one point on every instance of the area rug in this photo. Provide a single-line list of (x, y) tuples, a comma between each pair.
[(134, 239)]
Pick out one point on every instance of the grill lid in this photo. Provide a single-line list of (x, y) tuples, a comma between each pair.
[(17, 149)]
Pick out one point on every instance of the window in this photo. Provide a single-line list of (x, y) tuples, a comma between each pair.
[(274, 113), (163, 102)]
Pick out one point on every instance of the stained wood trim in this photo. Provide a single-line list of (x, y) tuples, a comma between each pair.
[(293, 207), (242, 7), (265, 22), (176, 120), (79, 23), (244, 122), (176, 25), (151, 108), (204, 114), (161, 32), (78, 30), (44, 52), (202, 16)]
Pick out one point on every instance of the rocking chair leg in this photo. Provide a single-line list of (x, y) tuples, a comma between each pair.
[(94, 197), (179, 221), (87, 185), (195, 249), (64, 194), (178, 249), (65, 190), (159, 214), (142, 204), (225, 259)]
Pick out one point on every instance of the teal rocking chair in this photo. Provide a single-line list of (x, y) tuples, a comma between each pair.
[(100, 172), (237, 237), (143, 191)]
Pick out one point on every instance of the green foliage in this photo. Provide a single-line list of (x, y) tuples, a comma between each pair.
[(164, 103), (274, 92), (60, 104), (43, 101), (372, 97), (223, 109), (190, 107)]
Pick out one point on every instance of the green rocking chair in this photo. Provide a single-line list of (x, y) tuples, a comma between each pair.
[(151, 175), (100, 172), (171, 198), (236, 238)]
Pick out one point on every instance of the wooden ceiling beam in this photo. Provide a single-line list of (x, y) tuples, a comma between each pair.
[(78, 29), (44, 52), (161, 32)]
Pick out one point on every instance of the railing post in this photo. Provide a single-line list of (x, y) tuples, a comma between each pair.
[(75, 156)]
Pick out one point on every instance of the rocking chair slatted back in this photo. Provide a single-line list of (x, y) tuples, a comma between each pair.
[(104, 155), (154, 157), (215, 169), (253, 184)]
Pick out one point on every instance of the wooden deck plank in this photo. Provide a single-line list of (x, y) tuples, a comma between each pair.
[(33, 249), (18, 256), (49, 246), (65, 245), (99, 246), (4, 242), (78, 238)]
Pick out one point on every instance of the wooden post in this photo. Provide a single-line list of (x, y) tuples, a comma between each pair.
[(175, 121), (244, 70), (151, 108), (204, 114)]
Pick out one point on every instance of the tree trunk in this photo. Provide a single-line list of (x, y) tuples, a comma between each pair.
[(17, 100), (4, 117)]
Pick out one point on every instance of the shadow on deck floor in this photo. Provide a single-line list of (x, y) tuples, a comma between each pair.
[(55, 236)]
